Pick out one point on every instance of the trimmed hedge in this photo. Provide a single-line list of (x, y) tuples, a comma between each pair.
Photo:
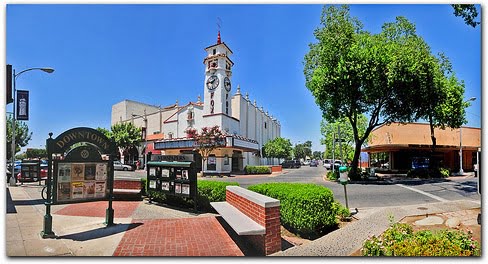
[(211, 191), (307, 209), (208, 191), (258, 170)]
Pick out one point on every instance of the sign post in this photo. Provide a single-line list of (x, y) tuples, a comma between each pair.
[(80, 169), (343, 179)]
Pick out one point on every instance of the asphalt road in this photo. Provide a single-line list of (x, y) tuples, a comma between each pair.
[(363, 195)]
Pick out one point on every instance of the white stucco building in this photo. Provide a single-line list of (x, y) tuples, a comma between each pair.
[(247, 126)]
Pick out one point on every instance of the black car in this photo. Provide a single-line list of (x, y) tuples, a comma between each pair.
[(291, 164)]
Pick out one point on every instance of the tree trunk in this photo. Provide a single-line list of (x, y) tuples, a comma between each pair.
[(433, 162), (354, 174)]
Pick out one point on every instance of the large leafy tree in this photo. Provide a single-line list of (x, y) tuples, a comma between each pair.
[(304, 150), (468, 12), (280, 148), (351, 72), (209, 139), (317, 155), (22, 136), (105, 131), (36, 153), (126, 135)]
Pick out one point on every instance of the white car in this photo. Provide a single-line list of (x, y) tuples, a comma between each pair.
[(327, 164), (119, 166)]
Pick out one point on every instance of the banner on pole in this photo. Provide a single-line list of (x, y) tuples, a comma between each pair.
[(22, 105)]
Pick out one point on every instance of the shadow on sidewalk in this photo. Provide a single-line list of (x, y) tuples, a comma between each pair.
[(100, 232), (10, 204)]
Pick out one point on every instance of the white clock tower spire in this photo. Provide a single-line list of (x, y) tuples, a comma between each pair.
[(218, 73)]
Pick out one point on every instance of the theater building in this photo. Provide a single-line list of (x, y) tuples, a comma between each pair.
[(403, 147), (246, 125)]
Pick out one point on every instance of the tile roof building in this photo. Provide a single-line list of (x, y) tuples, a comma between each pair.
[(246, 125)]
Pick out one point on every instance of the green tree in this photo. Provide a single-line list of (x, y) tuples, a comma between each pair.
[(278, 148), (352, 72), (468, 12), (126, 135), (317, 155), (302, 151), (22, 136), (105, 131), (207, 140), (36, 153)]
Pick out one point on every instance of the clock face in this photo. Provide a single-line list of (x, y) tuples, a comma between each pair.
[(212, 82), (227, 84)]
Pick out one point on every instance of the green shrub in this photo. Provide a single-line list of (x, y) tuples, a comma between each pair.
[(307, 209), (211, 191), (428, 173), (332, 175), (208, 191), (257, 170), (400, 240), (444, 172)]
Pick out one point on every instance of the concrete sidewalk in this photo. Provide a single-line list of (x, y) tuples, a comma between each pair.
[(81, 231)]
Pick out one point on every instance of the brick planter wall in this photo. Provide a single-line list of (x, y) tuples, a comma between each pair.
[(127, 184), (276, 168), (269, 217)]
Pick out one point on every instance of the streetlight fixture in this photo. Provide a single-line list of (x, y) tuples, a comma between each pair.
[(13, 180), (461, 172), (144, 118)]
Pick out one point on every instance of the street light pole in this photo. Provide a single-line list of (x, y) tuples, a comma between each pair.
[(13, 180), (461, 172), (144, 118)]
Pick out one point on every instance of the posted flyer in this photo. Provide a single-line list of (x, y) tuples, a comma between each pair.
[(77, 190), (89, 189), (185, 189), (100, 189), (64, 191), (78, 172), (101, 174), (90, 171), (64, 172)]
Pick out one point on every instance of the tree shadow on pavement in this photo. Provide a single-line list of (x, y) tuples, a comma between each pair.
[(100, 232)]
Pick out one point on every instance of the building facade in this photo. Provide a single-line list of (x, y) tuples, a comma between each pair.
[(246, 125), (405, 146)]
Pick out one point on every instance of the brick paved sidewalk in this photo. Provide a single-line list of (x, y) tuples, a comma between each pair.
[(199, 236)]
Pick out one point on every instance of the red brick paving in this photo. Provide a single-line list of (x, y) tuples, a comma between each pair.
[(122, 209), (198, 236)]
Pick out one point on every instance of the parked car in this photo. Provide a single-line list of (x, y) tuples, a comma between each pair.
[(290, 164), (119, 166), (313, 163), (327, 164), (306, 162), (337, 164)]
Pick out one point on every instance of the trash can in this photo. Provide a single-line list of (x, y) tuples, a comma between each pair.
[(343, 175)]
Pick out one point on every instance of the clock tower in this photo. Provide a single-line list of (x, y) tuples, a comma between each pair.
[(218, 85)]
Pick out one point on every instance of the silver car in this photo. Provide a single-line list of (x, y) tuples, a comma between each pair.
[(119, 166)]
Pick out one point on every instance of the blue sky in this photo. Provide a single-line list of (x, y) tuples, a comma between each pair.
[(103, 54)]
